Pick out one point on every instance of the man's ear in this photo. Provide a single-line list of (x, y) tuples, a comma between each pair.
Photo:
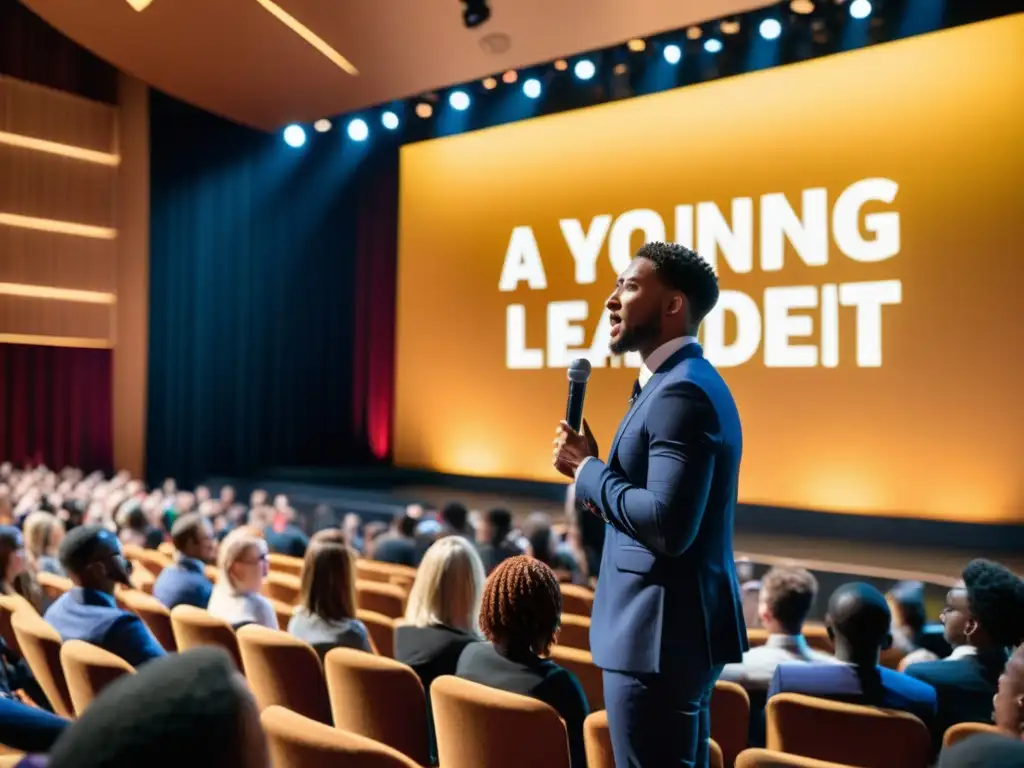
[(677, 305)]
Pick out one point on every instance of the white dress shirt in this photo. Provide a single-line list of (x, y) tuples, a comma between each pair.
[(758, 666)]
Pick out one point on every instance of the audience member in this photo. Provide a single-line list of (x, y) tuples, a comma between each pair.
[(442, 614), (858, 624), (906, 604), (243, 564), (326, 616), (43, 534), (543, 545), (191, 709), (26, 728), (984, 750), (983, 618), (455, 521), (92, 558), (185, 582), (493, 539), (520, 615), (352, 526), (283, 537), (16, 577), (1009, 699), (398, 545), (136, 528)]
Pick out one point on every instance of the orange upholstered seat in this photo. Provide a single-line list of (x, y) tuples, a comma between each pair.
[(285, 564), (385, 599), (154, 614), (40, 645), (54, 586), (387, 573), (581, 664), (283, 670), (766, 758), (298, 742), (382, 631), (194, 627), (152, 560), (577, 600), (89, 669), (481, 726), (960, 731), (378, 698), (730, 719), (283, 587), (8, 605), (830, 730), (574, 631)]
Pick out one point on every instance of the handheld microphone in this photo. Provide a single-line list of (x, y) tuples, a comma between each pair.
[(579, 372)]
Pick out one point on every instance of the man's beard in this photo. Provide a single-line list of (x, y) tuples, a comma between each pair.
[(631, 339)]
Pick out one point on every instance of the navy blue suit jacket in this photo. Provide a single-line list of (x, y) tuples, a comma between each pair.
[(183, 583), (878, 687), (668, 598), (92, 616)]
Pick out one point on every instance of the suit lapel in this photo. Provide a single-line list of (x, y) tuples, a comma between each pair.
[(690, 350)]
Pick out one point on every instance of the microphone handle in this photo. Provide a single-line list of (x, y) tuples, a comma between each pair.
[(574, 405)]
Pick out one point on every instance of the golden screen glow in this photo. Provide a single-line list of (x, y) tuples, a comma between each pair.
[(863, 211)]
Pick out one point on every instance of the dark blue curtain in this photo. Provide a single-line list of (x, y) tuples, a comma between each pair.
[(256, 250)]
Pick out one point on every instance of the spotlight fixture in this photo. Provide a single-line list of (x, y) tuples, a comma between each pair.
[(803, 7), (672, 53), (860, 9), (389, 120), (323, 125), (729, 27), (459, 100), (489, 83), (713, 45), (531, 88), (358, 130), (620, 69), (636, 45), (584, 69), (294, 136), (694, 33), (424, 110), (561, 65), (475, 13), (510, 77), (770, 29)]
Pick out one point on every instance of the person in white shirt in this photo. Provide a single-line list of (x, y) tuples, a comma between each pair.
[(243, 561)]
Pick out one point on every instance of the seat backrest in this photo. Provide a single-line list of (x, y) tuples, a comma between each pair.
[(154, 615), (53, 585), (194, 627), (829, 730), (166, 548), (283, 611), (816, 635), (89, 669), (756, 636), (479, 726), (378, 698), (285, 564), (957, 733), (388, 573), (382, 631), (282, 586), (142, 579), (581, 664), (730, 719), (8, 605), (577, 600), (152, 560), (767, 758), (285, 671), (298, 742), (574, 631), (376, 596), (40, 645)]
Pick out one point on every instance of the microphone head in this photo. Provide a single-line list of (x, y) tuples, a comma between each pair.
[(579, 370)]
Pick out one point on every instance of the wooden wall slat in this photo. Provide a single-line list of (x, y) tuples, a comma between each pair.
[(49, 186), (49, 317), (63, 261), (42, 113)]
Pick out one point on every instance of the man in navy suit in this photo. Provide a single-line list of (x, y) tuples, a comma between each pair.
[(185, 582), (92, 557), (667, 614), (858, 624)]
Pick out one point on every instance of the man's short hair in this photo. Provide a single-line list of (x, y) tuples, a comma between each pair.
[(455, 515), (82, 544), (406, 525), (681, 269), (789, 593), (996, 598), (186, 529), (908, 597)]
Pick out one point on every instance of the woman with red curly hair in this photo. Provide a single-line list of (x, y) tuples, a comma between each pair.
[(520, 615)]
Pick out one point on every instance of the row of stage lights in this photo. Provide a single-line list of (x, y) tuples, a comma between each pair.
[(584, 69)]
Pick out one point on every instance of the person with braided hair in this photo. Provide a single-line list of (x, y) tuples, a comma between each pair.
[(983, 620), (520, 616)]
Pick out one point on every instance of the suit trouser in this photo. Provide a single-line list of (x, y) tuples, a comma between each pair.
[(660, 720)]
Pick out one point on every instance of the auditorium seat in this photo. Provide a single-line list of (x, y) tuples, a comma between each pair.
[(88, 669), (581, 664), (298, 742), (154, 615), (167, 548), (816, 635), (54, 586), (382, 631), (379, 597), (766, 758), (756, 636), (577, 600), (194, 627), (283, 670), (378, 698), (142, 579), (9, 604), (152, 560), (283, 611), (960, 731), (574, 631), (283, 587), (477, 725), (598, 742), (40, 645), (730, 719), (371, 570), (285, 564), (830, 730)]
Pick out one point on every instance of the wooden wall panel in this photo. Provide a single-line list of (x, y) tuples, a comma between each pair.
[(46, 258), (47, 186), (50, 317), (43, 113)]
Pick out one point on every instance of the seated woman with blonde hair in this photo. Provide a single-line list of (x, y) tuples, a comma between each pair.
[(44, 532), (243, 563), (326, 616)]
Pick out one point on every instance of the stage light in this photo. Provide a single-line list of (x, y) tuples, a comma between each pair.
[(294, 136), (510, 77), (712, 45), (860, 9), (729, 27), (389, 120), (770, 29), (672, 53), (531, 88), (489, 83), (620, 69), (803, 7), (459, 100), (694, 33), (584, 69), (358, 130), (323, 125), (561, 65), (424, 110), (636, 45)]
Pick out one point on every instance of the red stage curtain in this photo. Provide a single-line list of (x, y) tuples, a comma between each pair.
[(374, 332), (55, 406)]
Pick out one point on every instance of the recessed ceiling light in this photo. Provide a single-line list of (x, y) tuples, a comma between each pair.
[(489, 83), (636, 45), (694, 33), (139, 5), (323, 125)]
